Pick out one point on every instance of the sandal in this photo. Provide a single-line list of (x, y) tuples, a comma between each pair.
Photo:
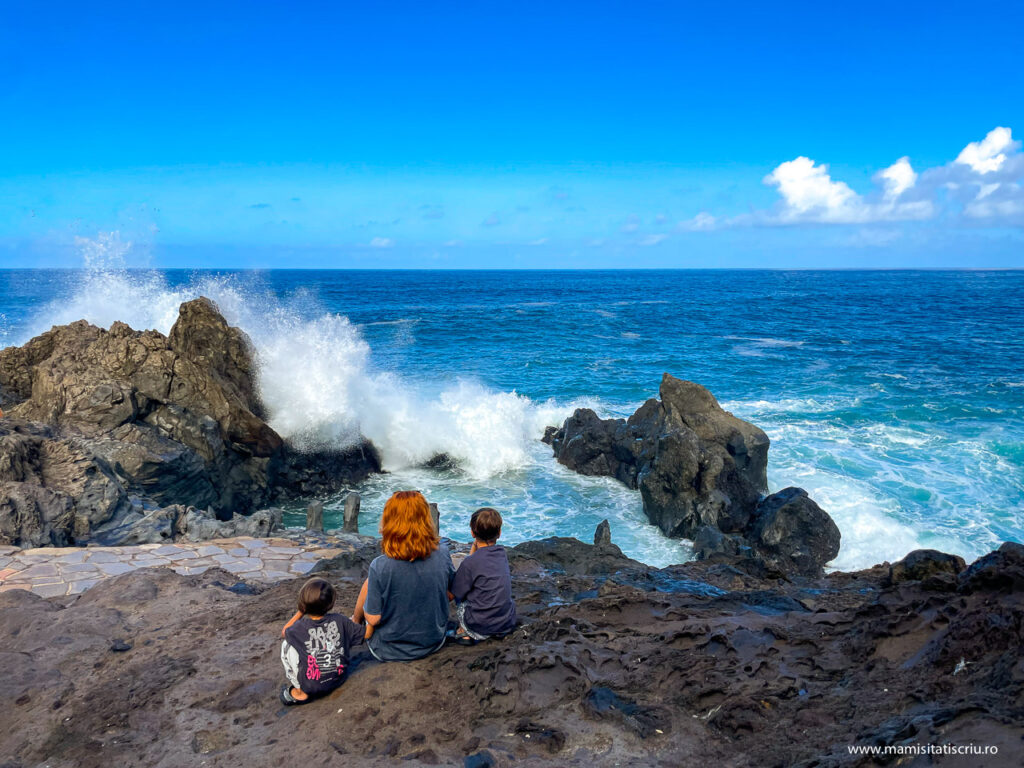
[(290, 701), (455, 637)]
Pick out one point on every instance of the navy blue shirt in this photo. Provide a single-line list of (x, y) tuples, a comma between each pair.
[(484, 583), (411, 598)]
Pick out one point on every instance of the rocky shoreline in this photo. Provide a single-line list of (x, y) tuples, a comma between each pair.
[(133, 448), (613, 663), (124, 436)]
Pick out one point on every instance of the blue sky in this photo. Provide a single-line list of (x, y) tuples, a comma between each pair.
[(513, 135)]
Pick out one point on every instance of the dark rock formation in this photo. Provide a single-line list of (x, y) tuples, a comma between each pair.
[(694, 463), (701, 473), (925, 564), (792, 533), (101, 424), (613, 663)]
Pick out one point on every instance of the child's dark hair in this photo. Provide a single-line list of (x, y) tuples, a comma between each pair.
[(316, 597), (485, 525)]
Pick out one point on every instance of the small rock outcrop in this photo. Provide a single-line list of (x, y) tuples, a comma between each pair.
[(702, 475), (792, 533), (102, 427), (694, 463)]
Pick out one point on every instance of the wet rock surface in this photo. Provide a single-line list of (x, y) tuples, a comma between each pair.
[(103, 427), (613, 663), (702, 475)]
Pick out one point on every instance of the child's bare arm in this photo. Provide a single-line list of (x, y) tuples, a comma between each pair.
[(292, 620)]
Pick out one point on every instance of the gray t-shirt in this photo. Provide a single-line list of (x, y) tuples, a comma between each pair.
[(412, 601), (484, 583)]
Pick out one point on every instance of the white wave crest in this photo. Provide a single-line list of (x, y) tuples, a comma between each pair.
[(316, 375)]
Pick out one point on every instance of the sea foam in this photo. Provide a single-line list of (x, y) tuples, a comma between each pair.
[(316, 376)]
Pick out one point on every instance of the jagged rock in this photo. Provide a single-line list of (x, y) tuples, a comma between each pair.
[(561, 553), (702, 474), (793, 533), (922, 564), (123, 421), (694, 463), (708, 542), (998, 571), (603, 534), (55, 490), (178, 521), (631, 665)]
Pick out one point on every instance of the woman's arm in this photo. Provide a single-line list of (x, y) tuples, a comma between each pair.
[(360, 615), (292, 620)]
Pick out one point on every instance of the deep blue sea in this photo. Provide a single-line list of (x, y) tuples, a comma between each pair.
[(895, 398)]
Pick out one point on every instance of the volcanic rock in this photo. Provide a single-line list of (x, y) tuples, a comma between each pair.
[(694, 463), (103, 424), (793, 533), (613, 663)]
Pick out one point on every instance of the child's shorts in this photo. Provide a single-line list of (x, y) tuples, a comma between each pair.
[(460, 612)]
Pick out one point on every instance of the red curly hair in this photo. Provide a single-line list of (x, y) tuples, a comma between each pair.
[(406, 527)]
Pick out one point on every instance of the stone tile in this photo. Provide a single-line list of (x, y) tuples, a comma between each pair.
[(224, 558), (301, 568), (7, 549), (66, 570), (186, 570), (8, 587), (243, 564), (149, 561), (152, 545), (79, 586), (40, 569), (51, 590), (255, 544), (269, 556), (208, 550), (239, 552), (104, 556), (207, 561), (6, 573), (185, 555), (284, 550), (78, 556), (4, 562), (168, 550), (115, 569)]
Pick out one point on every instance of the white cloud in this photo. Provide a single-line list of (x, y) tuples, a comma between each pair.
[(808, 192), (984, 182), (897, 178), (652, 239), (702, 222), (381, 242), (989, 154)]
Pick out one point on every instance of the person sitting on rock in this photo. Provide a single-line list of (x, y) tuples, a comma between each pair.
[(404, 599), (316, 645), (482, 586)]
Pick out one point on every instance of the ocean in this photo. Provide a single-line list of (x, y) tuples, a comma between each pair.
[(895, 398)]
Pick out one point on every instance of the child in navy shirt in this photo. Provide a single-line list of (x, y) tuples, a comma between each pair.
[(316, 645), (482, 586)]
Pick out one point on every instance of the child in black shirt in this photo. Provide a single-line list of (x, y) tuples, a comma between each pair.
[(316, 645)]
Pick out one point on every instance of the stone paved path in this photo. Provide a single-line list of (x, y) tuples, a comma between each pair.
[(56, 571)]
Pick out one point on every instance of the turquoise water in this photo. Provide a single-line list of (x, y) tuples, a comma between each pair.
[(895, 398)]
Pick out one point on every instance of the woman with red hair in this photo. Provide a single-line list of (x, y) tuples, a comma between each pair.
[(404, 599)]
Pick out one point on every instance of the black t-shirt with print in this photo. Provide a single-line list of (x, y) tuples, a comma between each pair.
[(323, 648)]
